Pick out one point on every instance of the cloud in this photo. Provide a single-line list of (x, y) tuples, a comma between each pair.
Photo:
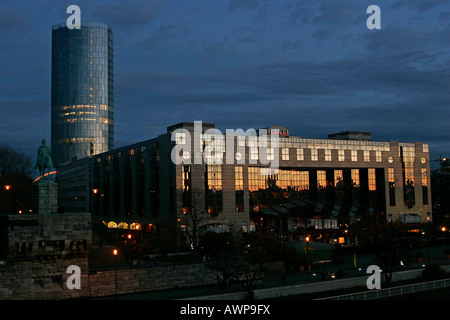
[(420, 5), (336, 16), (301, 12), (244, 4), (14, 20), (444, 16), (399, 39), (129, 14), (164, 34), (313, 66)]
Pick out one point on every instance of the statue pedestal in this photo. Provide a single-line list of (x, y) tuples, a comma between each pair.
[(44, 197)]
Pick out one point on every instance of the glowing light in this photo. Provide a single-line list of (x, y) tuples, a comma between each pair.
[(115, 252), (45, 174)]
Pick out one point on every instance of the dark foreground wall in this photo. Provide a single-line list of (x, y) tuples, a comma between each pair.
[(37, 250)]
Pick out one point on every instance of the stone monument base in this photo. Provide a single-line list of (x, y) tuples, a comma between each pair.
[(44, 196)]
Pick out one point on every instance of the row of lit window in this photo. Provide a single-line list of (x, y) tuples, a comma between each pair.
[(124, 225), (96, 141), (102, 120), (260, 178), (299, 180), (216, 149), (328, 155), (85, 106), (132, 226), (289, 142)]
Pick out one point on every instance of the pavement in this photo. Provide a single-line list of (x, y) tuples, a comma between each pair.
[(319, 272)]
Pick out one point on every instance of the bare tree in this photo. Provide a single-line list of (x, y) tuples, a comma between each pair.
[(15, 181), (13, 162), (244, 258), (194, 213)]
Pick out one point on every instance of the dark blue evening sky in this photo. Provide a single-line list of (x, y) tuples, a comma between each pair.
[(312, 66)]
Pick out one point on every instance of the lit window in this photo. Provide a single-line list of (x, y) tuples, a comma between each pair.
[(327, 155), (355, 178), (135, 226), (180, 138), (314, 155), (354, 155), (253, 153), (341, 155), (300, 156), (284, 153), (338, 177), (239, 188), (123, 225), (112, 224), (321, 179), (378, 156), (372, 180), (391, 179), (271, 154)]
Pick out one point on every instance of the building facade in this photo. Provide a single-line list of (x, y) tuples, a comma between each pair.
[(440, 184), (74, 186), (82, 94), (321, 183)]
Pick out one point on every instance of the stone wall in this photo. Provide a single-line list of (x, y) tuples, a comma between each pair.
[(37, 249), (150, 279)]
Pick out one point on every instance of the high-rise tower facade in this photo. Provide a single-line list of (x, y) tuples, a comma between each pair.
[(82, 91)]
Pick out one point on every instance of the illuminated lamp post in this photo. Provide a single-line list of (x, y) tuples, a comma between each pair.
[(307, 254), (8, 198), (115, 252), (443, 229), (94, 193)]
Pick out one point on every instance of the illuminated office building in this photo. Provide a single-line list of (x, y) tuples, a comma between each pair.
[(82, 98), (318, 183)]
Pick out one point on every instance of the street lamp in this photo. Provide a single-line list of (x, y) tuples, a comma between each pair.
[(115, 252), (9, 206), (307, 253), (129, 239), (443, 229), (94, 193)]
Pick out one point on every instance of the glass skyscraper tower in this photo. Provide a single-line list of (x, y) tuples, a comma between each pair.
[(82, 91)]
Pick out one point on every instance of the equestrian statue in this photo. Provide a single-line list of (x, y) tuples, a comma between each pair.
[(44, 159)]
